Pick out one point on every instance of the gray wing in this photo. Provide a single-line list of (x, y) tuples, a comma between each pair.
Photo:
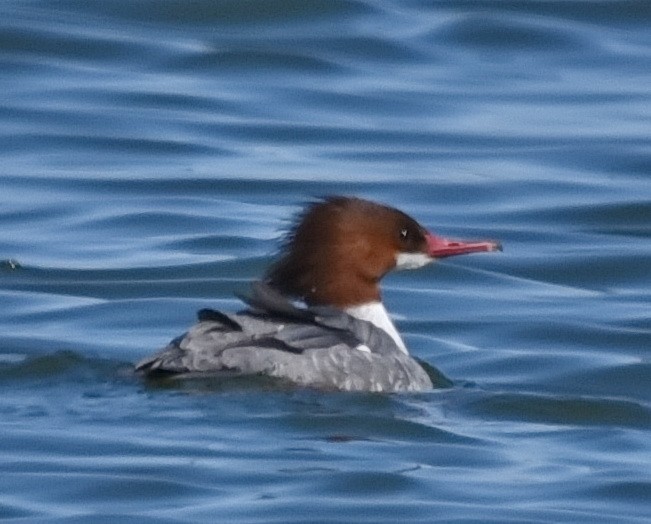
[(301, 352), (247, 342)]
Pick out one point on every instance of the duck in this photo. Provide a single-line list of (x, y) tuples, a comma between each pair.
[(316, 318)]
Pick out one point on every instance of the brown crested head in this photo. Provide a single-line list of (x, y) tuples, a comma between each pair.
[(340, 247)]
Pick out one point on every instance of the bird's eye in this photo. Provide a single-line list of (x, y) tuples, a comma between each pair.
[(404, 233)]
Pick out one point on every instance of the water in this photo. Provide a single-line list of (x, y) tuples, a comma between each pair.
[(152, 150)]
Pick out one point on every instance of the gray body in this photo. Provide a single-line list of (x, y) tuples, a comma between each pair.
[(319, 347)]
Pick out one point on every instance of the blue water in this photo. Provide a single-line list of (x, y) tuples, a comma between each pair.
[(150, 153)]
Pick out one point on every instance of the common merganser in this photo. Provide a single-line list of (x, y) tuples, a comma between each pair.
[(339, 336)]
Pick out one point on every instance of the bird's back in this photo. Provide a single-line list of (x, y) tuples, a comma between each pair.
[(319, 347)]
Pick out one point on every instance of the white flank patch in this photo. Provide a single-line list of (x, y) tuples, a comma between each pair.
[(376, 314), (363, 347), (412, 260)]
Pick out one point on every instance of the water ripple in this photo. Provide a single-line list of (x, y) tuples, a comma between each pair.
[(153, 152)]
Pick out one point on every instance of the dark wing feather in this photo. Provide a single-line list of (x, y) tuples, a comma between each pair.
[(227, 321)]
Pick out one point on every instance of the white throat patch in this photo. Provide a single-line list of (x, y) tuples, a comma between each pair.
[(376, 314), (412, 260)]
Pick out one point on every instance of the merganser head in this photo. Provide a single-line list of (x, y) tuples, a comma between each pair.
[(339, 249)]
